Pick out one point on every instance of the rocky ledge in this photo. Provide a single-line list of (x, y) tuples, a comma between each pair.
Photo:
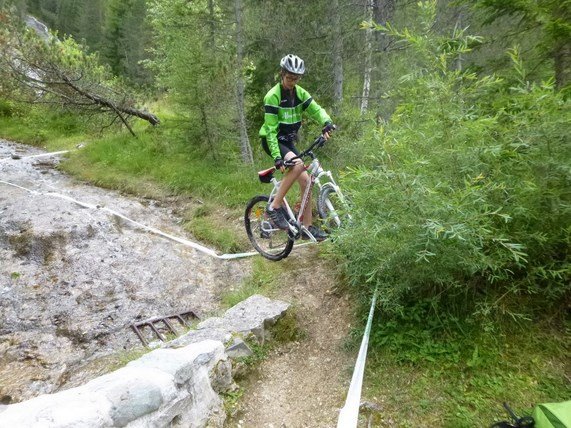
[(176, 385)]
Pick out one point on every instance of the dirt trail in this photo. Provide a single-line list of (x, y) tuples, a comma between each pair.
[(303, 383), (72, 279)]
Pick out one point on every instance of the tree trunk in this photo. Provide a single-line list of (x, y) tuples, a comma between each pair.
[(458, 28), (383, 11), (337, 57), (368, 59), (212, 24), (562, 49), (245, 147), (206, 128), (562, 59)]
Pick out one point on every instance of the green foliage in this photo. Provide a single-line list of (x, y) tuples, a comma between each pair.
[(287, 328), (116, 29), (164, 157), (7, 108), (127, 38), (48, 128), (459, 177), (261, 281), (231, 400), (469, 374), (193, 61), (552, 18), (60, 73), (215, 227), (465, 200)]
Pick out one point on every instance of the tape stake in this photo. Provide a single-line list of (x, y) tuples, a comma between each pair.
[(349, 414)]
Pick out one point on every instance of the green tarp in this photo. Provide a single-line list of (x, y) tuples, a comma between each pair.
[(553, 415)]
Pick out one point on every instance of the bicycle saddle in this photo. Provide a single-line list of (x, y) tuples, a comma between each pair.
[(266, 175)]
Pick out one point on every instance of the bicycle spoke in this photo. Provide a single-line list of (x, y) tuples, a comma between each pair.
[(269, 241)]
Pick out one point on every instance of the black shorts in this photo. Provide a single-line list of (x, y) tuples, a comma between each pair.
[(284, 148)]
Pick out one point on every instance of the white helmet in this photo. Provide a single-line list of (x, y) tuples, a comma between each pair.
[(293, 64)]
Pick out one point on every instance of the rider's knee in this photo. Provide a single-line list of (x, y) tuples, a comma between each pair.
[(298, 168)]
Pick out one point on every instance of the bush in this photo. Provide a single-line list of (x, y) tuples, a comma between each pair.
[(465, 202), (7, 108)]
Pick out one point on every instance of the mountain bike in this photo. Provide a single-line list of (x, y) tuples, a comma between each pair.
[(276, 244)]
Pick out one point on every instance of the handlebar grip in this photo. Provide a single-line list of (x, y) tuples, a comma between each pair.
[(289, 162), (329, 127)]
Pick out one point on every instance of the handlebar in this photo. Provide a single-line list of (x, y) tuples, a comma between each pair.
[(318, 143)]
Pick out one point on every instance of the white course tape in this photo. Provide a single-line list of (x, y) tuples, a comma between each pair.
[(36, 156), (349, 414), (183, 241)]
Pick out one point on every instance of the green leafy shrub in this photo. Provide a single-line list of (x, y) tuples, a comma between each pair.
[(7, 108), (465, 200)]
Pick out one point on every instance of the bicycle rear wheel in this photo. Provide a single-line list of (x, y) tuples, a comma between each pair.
[(271, 242)]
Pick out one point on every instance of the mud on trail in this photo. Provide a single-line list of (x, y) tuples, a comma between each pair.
[(72, 280)]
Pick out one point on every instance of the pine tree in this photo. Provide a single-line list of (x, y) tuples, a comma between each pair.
[(126, 38), (553, 17)]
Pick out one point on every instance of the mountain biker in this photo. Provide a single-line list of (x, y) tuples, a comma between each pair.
[(284, 105)]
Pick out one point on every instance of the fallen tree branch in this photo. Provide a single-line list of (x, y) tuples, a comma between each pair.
[(61, 73)]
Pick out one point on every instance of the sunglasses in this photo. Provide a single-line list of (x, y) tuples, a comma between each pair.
[(292, 78)]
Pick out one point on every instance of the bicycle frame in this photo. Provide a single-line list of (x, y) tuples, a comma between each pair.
[(316, 172), (274, 243)]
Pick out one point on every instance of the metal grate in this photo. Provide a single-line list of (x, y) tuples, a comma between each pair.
[(162, 323)]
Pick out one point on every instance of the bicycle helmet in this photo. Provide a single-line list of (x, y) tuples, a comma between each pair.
[(293, 64)]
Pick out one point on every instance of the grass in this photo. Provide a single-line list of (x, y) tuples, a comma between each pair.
[(176, 166), (263, 280), (231, 400), (161, 162), (217, 226), (50, 131), (522, 368)]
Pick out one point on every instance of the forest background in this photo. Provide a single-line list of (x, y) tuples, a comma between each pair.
[(453, 145)]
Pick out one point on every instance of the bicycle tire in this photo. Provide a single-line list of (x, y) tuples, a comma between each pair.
[(263, 239), (326, 209)]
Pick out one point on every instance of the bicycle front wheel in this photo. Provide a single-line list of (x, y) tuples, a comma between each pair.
[(271, 242)]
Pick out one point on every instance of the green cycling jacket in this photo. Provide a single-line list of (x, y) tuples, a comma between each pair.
[(283, 111)]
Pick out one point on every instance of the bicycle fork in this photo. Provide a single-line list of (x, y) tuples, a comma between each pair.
[(340, 196)]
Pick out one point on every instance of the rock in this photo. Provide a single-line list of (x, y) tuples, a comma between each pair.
[(58, 257), (252, 316), (181, 363), (166, 387), (133, 392), (239, 349), (163, 386)]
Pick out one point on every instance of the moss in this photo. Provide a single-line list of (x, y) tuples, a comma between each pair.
[(287, 328), (21, 243)]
